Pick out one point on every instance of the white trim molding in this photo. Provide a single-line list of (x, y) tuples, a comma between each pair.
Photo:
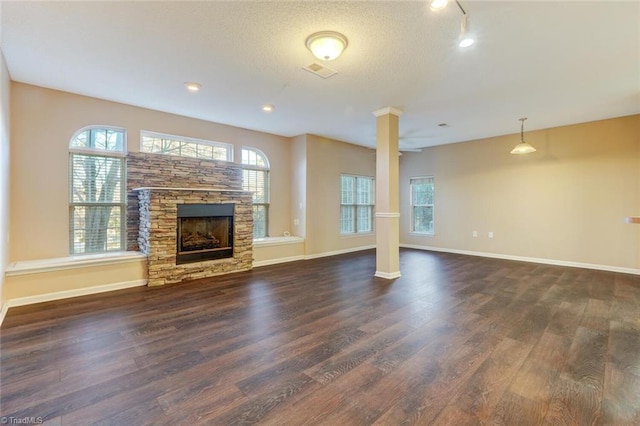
[(26, 267), (387, 214), (3, 312), (336, 252), (388, 275), (554, 262), (388, 110), (276, 261), (48, 297)]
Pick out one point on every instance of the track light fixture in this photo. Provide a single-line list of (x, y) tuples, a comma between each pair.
[(522, 147), (466, 38)]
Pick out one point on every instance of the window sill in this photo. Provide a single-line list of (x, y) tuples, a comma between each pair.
[(277, 241), (26, 267), (421, 234)]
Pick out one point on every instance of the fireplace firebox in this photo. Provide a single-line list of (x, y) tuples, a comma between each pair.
[(204, 232)]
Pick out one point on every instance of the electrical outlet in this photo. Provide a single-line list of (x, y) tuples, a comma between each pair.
[(296, 221), (475, 234), (490, 234)]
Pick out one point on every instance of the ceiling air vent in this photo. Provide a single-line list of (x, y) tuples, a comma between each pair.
[(321, 70)]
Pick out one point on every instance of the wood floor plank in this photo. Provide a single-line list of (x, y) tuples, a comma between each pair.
[(515, 409), (477, 398), (577, 394), (431, 392), (327, 371), (574, 403), (624, 347), (621, 404), (455, 340)]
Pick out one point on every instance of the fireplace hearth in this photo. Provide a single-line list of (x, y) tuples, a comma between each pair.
[(204, 232)]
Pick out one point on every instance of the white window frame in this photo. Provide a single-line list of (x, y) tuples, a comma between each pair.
[(121, 204), (413, 205), (267, 170), (183, 140), (355, 205)]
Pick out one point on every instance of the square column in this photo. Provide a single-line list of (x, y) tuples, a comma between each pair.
[(387, 193)]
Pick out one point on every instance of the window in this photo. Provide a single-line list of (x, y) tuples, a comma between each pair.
[(185, 147), (255, 178), (356, 204), (422, 205), (97, 200)]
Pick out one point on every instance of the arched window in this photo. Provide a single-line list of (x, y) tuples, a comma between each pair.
[(255, 178), (97, 198)]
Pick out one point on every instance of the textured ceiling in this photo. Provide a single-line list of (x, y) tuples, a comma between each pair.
[(555, 62)]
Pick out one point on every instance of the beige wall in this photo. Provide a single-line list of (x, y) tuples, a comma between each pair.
[(327, 159), (4, 174), (43, 121), (270, 254), (74, 282), (564, 202)]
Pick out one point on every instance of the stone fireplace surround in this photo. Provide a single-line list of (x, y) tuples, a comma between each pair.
[(156, 184), (157, 235)]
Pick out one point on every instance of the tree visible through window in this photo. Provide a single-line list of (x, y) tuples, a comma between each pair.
[(356, 204), (159, 143), (255, 178), (97, 201), (422, 205)]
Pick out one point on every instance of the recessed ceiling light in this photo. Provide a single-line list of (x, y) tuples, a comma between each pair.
[(443, 125), (193, 87), (268, 107)]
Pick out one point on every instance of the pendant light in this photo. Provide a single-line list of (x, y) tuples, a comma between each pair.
[(522, 147)]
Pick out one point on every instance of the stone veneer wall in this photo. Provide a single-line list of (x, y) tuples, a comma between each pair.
[(158, 219), (159, 170)]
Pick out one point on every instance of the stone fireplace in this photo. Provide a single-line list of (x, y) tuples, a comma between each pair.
[(199, 229)]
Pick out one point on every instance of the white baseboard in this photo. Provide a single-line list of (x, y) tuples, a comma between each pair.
[(48, 297), (528, 259), (3, 312), (336, 252), (387, 275), (276, 261), (309, 256)]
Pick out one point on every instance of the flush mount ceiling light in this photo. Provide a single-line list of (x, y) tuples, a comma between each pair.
[(326, 45), (522, 147), (192, 86), (268, 107)]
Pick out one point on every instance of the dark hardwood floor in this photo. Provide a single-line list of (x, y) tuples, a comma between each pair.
[(456, 340)]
